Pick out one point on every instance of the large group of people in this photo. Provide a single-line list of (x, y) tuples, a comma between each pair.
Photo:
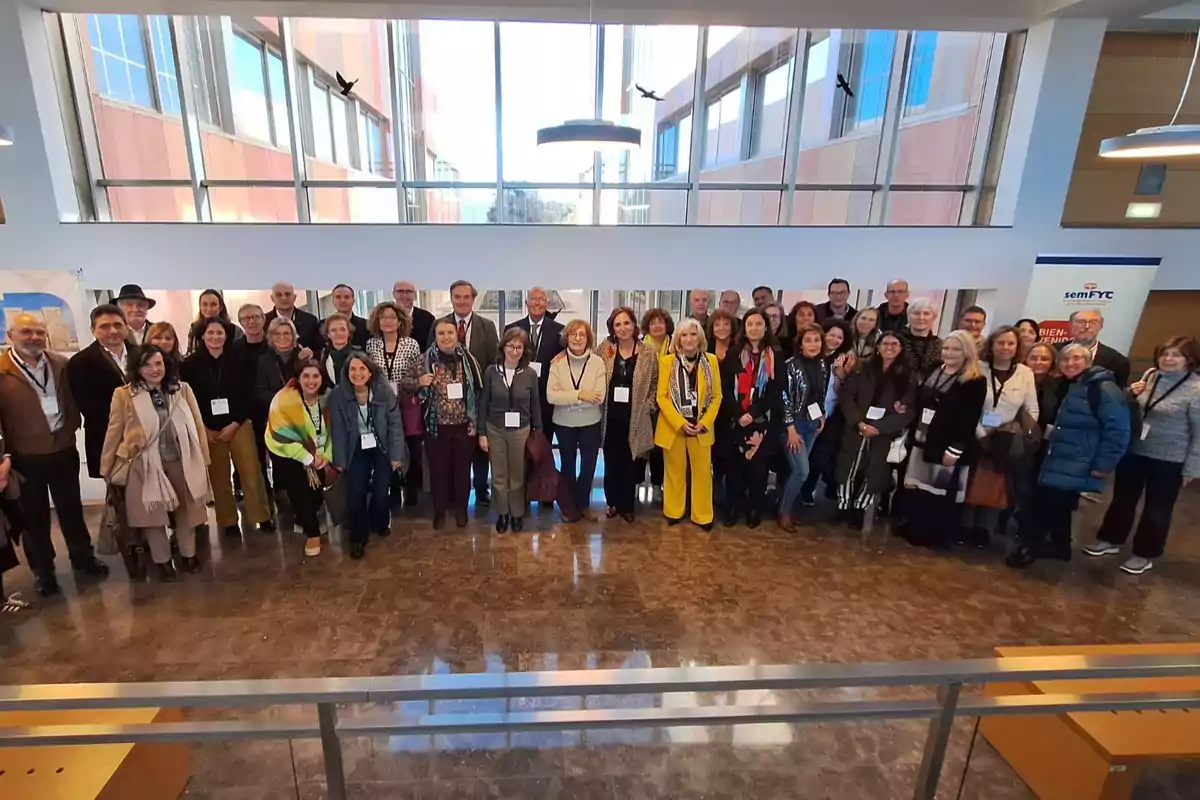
[(957, 440)]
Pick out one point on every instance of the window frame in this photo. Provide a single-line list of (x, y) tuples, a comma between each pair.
[(758, 83), (151, 67)]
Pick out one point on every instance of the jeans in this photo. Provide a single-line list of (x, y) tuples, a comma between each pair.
[(367, 483), (799, 464), (1161, 481), (585, 442)]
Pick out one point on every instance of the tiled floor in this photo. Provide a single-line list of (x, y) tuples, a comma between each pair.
[(600, 595)]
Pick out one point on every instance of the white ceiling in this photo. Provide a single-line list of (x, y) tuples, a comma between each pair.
[(988, 15)]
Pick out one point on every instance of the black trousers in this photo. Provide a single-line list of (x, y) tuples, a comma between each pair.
[(306, 500), (1161, 482), (620, 475), (1047, 528), (585, 443), (746, 482), (53, 475)]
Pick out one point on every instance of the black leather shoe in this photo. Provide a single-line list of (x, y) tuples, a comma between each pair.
[(753, 519), (46, 585), (628, 517), (502, 523), (731, 519), (357, 550), (191, 564), (482, 499), (707, 526), (460, 519), (92, 567), (232, 531), (1020, 558), (166, 572), (267, 526), (518, 524), (386, 532), (439, 521), (672, 521)]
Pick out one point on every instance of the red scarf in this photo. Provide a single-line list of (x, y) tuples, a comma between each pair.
[(752, 380)]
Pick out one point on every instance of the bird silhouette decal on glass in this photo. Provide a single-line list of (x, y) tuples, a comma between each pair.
[(844, 85), (346, 85), (648, 93)]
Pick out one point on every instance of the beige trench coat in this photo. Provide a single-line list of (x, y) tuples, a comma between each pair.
[(125, 440)]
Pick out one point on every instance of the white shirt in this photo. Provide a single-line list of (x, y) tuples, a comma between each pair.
[(118, 359), (467, 320), (1020, 390), (41, 372)]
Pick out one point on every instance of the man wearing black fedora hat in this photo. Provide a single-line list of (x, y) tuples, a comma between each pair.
[(134, 303)]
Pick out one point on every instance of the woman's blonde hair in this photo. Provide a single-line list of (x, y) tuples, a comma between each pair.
[(282, 322), (687, 324), (574, 325), (971, 368), (1054, 373)]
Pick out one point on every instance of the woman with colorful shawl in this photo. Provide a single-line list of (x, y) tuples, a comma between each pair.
[(689, 396), (450, 382), (298, 433), (748, 425)]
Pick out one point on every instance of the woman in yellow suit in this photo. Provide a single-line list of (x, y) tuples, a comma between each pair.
[(689, 396)]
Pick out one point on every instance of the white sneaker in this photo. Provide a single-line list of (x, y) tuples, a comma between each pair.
[(1136, 565), (312, 547), (1101, 548), (13, 603)]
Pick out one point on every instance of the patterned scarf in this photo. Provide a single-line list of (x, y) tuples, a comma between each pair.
[(677, 389), (751, 384), (436, 358)]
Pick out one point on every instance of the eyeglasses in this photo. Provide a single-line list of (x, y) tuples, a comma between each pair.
[(1090, 323), (514, 346), (891, 343), (404, 291)]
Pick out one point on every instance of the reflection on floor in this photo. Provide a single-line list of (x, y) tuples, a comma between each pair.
[(599, 595)]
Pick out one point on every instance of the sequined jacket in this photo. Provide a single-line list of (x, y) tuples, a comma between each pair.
[(798, 394)]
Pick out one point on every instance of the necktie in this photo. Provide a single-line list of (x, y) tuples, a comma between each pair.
[(536, 335), (462, 333)]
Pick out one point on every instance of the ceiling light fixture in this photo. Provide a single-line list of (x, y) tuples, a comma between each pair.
[(6, 136), (1162, 141), (591, 134)]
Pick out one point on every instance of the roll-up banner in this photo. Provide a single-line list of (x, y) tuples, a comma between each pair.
[(56, 297), (1117, 286)]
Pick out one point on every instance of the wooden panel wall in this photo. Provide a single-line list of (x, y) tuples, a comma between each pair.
[(1166, 314), (1137, 85)]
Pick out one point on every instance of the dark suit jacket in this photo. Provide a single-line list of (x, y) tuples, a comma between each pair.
[(483, 340), (550, 344), (824, 312), (1114, 361), (422, 326), (308, 328), (93, 377)]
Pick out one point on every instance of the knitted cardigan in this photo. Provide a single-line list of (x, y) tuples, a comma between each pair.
[(290, 430)]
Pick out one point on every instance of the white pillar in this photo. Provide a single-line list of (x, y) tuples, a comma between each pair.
[(1053, 87), (35, 173)]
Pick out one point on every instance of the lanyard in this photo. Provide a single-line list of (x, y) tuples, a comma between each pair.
[(217, 383), (367, 418), (1152, 402), (998, 386), (316, 420), (389, 362), (41, 385), (939, 384), (508, 379), (576, 381)]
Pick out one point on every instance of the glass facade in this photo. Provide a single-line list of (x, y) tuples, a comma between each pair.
[(739, 126)]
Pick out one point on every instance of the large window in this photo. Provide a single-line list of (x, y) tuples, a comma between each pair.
[(119, 55), (723, 141)]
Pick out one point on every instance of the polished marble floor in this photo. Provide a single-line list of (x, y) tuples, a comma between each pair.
[(600, 595)]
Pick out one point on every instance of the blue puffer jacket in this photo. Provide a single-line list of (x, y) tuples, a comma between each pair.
[(1083, 442)]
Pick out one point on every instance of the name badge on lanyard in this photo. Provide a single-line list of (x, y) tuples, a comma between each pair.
[(814, 411), (876, 412), (536, 366), (927, 415), (620, 394), (220, 406), (49, 405), (368, 441), (454, 391), (992, 419), (512, 419)]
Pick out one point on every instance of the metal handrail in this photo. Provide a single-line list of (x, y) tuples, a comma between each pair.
[(326, 693)]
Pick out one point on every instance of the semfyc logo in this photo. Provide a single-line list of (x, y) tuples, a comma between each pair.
[(1090, 293)]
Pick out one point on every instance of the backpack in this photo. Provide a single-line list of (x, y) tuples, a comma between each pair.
[(1127, 399)]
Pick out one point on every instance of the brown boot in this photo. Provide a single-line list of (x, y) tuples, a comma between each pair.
[(785, 522)]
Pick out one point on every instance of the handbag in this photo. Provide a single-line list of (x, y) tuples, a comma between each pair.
[(112, 527), (987, 488), (411, 415), (898, 450)]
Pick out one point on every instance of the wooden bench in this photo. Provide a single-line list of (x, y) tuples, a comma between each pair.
[(1093, 755), (150, 771)]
